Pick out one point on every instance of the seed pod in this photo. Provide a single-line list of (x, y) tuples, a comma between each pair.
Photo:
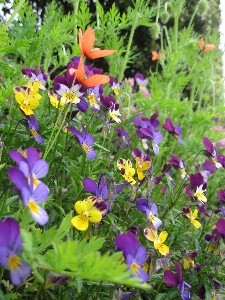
[(202, 7), (164, 16), (155, 31)]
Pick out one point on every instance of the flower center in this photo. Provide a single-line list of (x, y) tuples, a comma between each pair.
[(91, 98), (86, 148), (34, 132), (33, 206), (134, 267), (14, 262)]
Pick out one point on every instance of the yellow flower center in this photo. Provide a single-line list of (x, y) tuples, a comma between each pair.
[(151, 217), (116, 91), (35, 180), (69, 96), (33, 206), (91, 98), (86, 148), (134, 267), (14, 262), (34, 132)]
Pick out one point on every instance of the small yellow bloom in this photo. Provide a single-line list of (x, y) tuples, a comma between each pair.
[(151, 234), (142, 166), (126, 169), (55, 101), (86, 212), (28, 99), (192, 217)]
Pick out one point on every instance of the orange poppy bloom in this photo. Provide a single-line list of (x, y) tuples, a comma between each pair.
[(205, 48), (91, 81), (156, 56), (86, 42)]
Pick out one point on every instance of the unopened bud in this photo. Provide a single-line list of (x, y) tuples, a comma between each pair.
[(164, 16), (202, 7), (155, 31)]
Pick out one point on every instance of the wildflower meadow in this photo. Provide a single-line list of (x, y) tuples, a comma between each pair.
[(112, 187)]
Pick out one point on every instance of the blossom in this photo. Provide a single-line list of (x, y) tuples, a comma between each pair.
[(189, 259), (155, 136), (211, 153), (90, 81), (31, 166), (126, 169), (55, 101), (69, 95), (150, 210), (173, 279), (124, 136), (93, 97), (35, 75), (87, 212), (197, 183), (34, 128), (192, 216), (28, 99), (10, 248), (156, 56), (134, 254), (213, 240), (152, 235), (86, 140), (205, 48), (142, 83), (143, 162), (112, 106), (101, 191), (86, 43), (175, 130), (178, 164)]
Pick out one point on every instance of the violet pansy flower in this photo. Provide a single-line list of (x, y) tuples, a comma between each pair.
[(34, 127), (178, 164), (112, 106), (142, 83), (175, 130), (10, 248), (35, 75), (199, 187), (86, 140), (134, 254), (150, 210), (155, 136), (173, 279), (124, 135), (211, 153), (143, 162)]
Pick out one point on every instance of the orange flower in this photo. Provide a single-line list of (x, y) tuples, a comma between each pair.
[(205, 48), (86, 42), (91, 81), (156, 56)]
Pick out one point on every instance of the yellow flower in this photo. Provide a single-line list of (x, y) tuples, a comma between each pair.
[(187, 262), (151, 234), (126, 169), (142, 166), (192, 217), (55, 100), (28, 99), (86, 212)]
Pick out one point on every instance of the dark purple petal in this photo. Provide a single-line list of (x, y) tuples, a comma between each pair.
[(127, 243), (142, 205), (196, 180), (209, 166), (201, 292), (82, 105), (168, 125), (179, 272), (208, 144), (220, 225), (221, 195), (170, 278), (90, 185), (76, 133)]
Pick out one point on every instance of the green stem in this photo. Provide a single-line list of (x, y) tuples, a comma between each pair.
[(75, 9), (176, 21), (123, 67), (98, 291), (167, 37), (16, 10), (192, 17), (97, 14)]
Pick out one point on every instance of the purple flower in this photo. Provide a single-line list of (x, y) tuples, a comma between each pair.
[(124, 137), (213, 239), (211, 152), (199, 186), (175, 130), (220, 225), (32, 167), (142, 83), (10, 248), (34, 128), (35, 75), (178, 164), (101, 191), (112, 106), (31, 197), (134, 254), (150, 210), (155, 136), (93, 97), (86, 140), (173, 279), (125, 296)]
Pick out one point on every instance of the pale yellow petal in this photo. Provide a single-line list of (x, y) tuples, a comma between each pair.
[(95, 216), (163, 249), (150, 234), (196, 223), (80, 207), (163, 236)]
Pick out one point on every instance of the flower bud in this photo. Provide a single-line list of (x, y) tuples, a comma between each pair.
[(202, 7), (155, 30), (164, 16)]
